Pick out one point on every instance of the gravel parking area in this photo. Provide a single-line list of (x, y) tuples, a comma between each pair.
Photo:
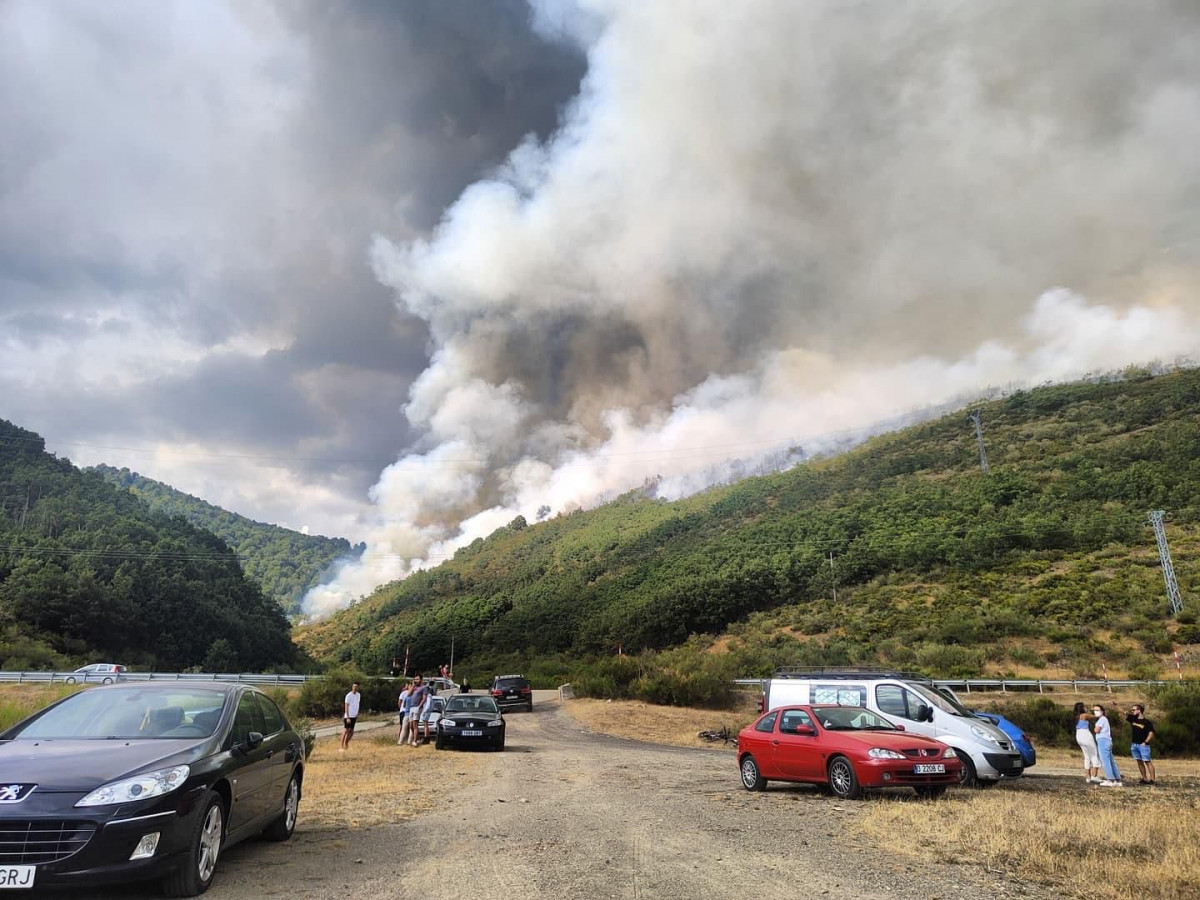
[(564, 812)]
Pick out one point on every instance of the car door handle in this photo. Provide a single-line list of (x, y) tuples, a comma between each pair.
[(776, 743)]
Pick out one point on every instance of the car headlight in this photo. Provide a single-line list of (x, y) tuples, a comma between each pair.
[(140, 787), (980, 733), (495, 723), (950, 753), (446, 723), (881, 753)]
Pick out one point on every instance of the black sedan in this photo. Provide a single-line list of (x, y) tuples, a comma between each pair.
[(471, 719), (139, 781)]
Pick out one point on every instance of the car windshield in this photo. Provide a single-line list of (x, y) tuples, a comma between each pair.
[(851, 718), (130, 713), (942, 702), (437, 704), (471, 704)]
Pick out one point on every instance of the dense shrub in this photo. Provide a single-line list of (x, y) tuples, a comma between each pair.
[(324, 697)]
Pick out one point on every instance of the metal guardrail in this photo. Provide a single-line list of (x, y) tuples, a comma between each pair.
[(99, 677), (1018, 685)]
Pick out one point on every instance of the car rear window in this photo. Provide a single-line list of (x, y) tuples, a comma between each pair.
[(504, 684)]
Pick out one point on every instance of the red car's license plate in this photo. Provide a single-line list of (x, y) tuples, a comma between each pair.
[(930, 769)]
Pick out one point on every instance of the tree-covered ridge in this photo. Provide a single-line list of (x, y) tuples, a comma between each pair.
[(285, 563), (1045, 558), (89, 573)]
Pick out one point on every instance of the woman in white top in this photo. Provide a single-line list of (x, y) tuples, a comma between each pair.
[(1104, 744), (1087, 743)]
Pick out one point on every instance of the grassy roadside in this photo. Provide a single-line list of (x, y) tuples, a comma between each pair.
[(376, 782), (1090, 843), (676, 726)]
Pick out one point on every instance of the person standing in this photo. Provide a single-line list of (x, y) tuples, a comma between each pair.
[(423, 716), (1087, 743), (350, 715), (1142, 733), (1104, 743), (403, 707), (408, 721), (420, 694)]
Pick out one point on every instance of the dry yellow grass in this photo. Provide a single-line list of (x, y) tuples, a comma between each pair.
[(673, 725), (376, 782), (1098, 844), (1166, 767)]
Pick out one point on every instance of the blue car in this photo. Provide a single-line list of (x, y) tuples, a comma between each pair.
[(1013, 730), (1019, 738)]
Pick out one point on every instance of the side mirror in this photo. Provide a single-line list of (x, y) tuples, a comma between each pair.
[(253, 739), (806, 729), (899, 727), (924, 713)]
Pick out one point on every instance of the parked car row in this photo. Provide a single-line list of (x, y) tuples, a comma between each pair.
[(478, 719), (856, 729)]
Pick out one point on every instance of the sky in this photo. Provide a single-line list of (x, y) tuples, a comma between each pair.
[(401, 271)]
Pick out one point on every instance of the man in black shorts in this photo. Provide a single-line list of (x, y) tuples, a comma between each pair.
[(350, 715)]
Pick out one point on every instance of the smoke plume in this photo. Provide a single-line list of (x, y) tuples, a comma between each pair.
[(769, 224)]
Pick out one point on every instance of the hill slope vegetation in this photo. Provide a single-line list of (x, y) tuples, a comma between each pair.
[(1044, 562), (88, 572), (285, 563)]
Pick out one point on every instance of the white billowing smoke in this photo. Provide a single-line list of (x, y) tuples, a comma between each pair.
[(765, 223)]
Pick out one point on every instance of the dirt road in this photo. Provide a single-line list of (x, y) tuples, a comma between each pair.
[(564, 813)]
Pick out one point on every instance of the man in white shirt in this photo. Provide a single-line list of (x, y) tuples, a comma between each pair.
[(350, 715)]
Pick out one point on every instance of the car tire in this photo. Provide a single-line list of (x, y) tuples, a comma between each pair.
[(281, 829), (199, 864), (70, 679), (842, 779), (931, 791), (752, 779), (967, 777), (499, 744), (438, 743), (107, 680), (529, 707)]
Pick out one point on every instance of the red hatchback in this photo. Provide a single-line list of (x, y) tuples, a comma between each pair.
[(846, 747)]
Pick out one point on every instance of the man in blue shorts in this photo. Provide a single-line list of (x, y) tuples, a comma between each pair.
[(1142, 733)]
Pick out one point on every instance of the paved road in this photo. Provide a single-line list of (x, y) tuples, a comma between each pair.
[(564, 813)]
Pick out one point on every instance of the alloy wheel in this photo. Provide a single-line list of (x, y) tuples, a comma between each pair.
[(292, 805), (210, 843)]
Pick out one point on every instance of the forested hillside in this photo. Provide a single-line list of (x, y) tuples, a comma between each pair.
[(88, 572), (285, 563), (1045, 562)]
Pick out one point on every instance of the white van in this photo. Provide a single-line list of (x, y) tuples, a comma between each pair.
[(987, 752)]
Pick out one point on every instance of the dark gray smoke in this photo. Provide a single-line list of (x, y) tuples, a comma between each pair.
[(768, 220)]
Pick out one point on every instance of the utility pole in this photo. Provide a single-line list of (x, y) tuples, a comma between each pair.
[(832, 577), (1164, 556), (977, 418)]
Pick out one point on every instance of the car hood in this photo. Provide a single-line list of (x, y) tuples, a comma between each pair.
[(889, 740), (65, 765), (476, 716)]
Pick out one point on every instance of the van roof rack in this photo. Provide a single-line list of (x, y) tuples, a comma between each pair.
[(848, 672)]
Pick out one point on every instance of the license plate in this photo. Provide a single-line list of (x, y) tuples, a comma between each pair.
[(512, 693), (471, 733), (930, 769), (16, 876)]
